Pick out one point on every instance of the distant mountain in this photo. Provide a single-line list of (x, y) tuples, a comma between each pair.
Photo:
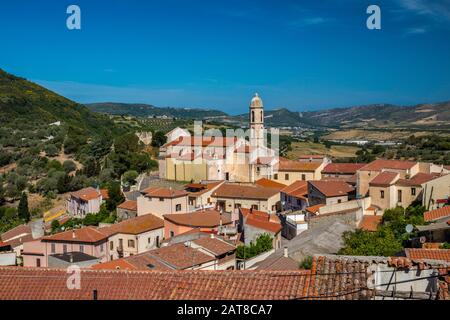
[(26, 103), (432, 116), (147, 110)]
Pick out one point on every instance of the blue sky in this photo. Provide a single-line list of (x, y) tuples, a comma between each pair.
[(303, 55)]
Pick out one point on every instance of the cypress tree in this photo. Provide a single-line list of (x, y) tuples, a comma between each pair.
[(22, 210)]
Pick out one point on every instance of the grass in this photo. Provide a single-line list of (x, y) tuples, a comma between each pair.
[(302, 148)]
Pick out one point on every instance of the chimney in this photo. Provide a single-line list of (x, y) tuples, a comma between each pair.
[(286, 252), (73, 234)]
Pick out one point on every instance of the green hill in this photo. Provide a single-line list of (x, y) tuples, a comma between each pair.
[(24, 103)]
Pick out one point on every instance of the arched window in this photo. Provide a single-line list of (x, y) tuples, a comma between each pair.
[(253, 116), (261, 113)]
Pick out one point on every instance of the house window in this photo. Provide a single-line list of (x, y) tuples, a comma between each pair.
[(237, 205), (111, 245), (65, 248), (149, 240), (339, 200), (299, 202), (172, 233), (399, 193), (382, 194), (130, 243), (161, 199), (81, 248), (157, 241), (286, 176), (275, 176), (38, 262), (178, 207), (303, 177), (101, 248), (53, 248), (413, 191), (254, 206)]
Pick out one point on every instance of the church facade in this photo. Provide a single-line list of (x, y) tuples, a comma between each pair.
[(243, 157)]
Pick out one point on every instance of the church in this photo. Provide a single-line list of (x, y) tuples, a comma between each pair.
[(243, 157)]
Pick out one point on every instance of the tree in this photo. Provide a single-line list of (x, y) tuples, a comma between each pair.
[(69, 166), (158, 139), (23, 211), (55, 225), (115, 196), (263, 243), (129, 177)]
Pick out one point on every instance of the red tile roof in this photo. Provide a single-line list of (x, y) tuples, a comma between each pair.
[(277, 263), (437, 214), (20, 230), (314, 209), (261, 220), (86, 194), (128, 205), (83, 235), (199, 219), (214, 245), (263, 182), (159, 192), (342, 168), (298, 189), (380, 164), (104, 193), (370, 222), (429, 254), (51, 284), (418, 179), (240, 191), (289, 165), (332, 188), (135, 225), (385, 178)]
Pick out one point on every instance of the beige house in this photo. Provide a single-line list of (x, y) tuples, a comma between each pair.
[(405, 169), (134, 236), (199, 194), (160, 201), (388, 190), (290, 171), (329, 192), (230, 197)]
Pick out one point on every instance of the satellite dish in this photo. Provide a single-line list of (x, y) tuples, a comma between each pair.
[(409, 228)]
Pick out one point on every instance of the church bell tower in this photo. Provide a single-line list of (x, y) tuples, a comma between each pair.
[(256, 121)]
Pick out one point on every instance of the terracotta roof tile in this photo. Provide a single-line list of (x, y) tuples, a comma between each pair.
[(215, 246), (46, 284), (86, 194), (239, 191), (314, 209), (437, 214), (135, 225), (342, 168), (290, 165), (385, 178), (380, 164), (277, 263), (261, 220), (128, 205), (263, 182), (22, 229), (104, 193), (297, 189), (199, 219), (370, 222), (429, 254), (419, 179), (332, 188), (84, 235), (160, 192)]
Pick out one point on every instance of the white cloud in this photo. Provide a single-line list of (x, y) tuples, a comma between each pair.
[(437, 9)]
